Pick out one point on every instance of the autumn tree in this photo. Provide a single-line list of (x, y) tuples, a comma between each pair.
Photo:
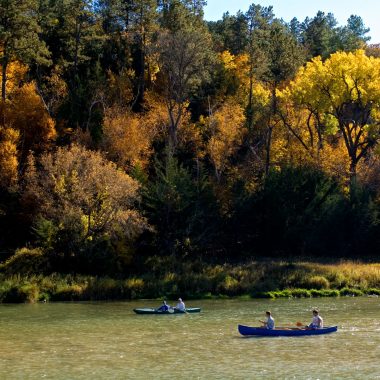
[(16, 75), (128, 137), (343, 96), (373, 50), (53, 90), (11, 230), (226, 130), (9, 139), (84, 197), (234, 85), (274, 55), (26, 113)]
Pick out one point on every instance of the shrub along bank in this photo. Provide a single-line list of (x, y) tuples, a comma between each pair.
[(198, 280)]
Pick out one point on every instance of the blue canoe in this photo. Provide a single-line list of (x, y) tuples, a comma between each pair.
[(171, 311), (257, 331)]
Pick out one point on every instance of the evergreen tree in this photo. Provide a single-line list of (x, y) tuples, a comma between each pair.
[(230, 33), (258, 21), (184, 59), (178, 14), (296, 29), (319, 35), (19, 36), (75, 39), (131, 26), (284, 56), (182, 209), (353, 35)]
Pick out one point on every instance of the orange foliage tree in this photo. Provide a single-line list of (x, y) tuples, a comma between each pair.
[(25, 112), (127, 138), (8, 157)]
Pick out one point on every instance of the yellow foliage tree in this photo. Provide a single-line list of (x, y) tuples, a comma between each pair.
[(84, 195), (257, 98), (237, 74), (16, 72), (25, 112), (120, 87), (342, 96), (294, 146), (127, 137), (226, 127), (8, 157)]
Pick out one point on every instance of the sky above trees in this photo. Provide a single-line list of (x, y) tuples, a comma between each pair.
[(342, 10)]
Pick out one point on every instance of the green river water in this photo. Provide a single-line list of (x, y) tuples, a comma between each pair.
[(106, 340)]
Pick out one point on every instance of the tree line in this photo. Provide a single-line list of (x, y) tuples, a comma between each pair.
[(135, 129)]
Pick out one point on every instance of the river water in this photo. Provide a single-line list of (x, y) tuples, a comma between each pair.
[(106, 340)]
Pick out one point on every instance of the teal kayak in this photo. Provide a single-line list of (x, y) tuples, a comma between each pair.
[(149, 310)]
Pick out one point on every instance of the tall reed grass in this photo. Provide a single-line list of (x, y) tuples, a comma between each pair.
[(199, 280)]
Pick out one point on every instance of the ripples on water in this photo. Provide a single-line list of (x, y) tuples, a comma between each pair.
[(109, 341)]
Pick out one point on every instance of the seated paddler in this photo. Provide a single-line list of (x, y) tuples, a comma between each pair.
[(163, 307), (269, 322)]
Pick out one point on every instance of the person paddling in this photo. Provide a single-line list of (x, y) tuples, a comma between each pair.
[(317, 321), (164, 307), (180, 305), (269, 323)]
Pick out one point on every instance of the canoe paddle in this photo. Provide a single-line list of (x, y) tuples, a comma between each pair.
[(289, 325), (298, 324)]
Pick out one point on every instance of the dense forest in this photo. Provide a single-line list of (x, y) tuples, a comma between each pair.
[(133, 131)]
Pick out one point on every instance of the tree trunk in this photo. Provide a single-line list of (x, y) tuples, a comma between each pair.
[(268, 147), (270, 130), (4, 77), (77, 43), (250, 99), (353, 177), (139, 67)]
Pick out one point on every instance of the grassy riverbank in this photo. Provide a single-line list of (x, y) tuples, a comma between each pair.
[(197, 280)]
